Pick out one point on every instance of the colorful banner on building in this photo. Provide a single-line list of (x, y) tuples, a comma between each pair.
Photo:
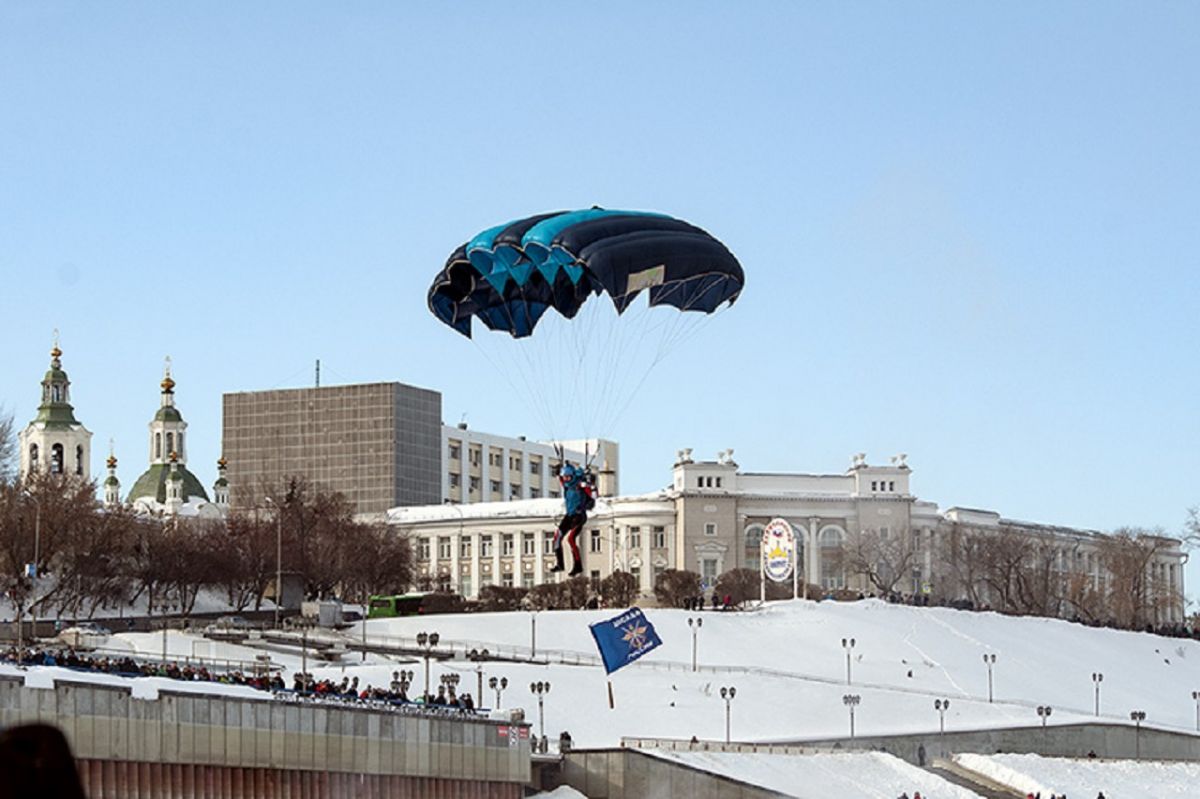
[(778, 544), (624, 639)]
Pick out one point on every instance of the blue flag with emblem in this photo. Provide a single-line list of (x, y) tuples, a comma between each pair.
[(625, 638)]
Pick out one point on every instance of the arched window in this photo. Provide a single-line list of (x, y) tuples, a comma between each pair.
[(753, 546), (182, 457), (56, 393), (79, 460), (56, 459), (33, 457), (830, 541), (157, 446), (170, 444)]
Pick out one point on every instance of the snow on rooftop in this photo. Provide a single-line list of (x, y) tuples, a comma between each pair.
[(868, 775), (1117, 779)]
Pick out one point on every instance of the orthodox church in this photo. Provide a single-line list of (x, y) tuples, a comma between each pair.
[(55, 440)]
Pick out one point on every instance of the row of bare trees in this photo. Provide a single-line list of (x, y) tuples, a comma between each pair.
[(1110, 579), (88, 557)]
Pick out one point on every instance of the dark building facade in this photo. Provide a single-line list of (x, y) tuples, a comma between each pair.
[(377, 443)]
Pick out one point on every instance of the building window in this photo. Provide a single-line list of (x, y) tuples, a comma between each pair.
[(56, 459), (699, 482), (891, 485), (157, 446), (485, 546), (495, 486), (535, 493), (422, 549), (79, 460), (464, 585), (33, 457), (464, 548), (547, 543), (753, 544), (718, 482), (455, 479), (658, 570), (475, 456), (444, 548), (874, 485), (710, 528), (514, 462), (514, 490), (660, 537), (506, 544), (528, 544), (831, 540), (455, 452), (635, 538), (527, 580), (708, 572), (636, 572), (595, 547), (535, 466), (555, 495), (595, 579), (493, 459), (474, 483), (507, 580), (56, 393), (170, 444)]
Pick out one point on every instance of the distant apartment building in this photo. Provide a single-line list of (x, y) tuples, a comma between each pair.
[(854, 531), (483, 467), (379, 444)]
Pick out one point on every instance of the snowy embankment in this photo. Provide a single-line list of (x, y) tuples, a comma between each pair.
[(788, 665), (1118, 779), (871, 775)]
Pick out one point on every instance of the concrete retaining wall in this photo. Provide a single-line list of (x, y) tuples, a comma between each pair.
[(105, 723), (629, 774)]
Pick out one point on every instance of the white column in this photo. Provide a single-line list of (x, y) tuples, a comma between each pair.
[(475, 566), (455, 550), (539, 564), (812, 553)]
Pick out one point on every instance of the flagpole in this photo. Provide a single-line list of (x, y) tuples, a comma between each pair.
[(762, 570), (611, 706)]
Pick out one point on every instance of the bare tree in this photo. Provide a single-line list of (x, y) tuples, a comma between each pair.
[(1134, 596), (8, 447), (673, 586), (885, 558), (619, 589)]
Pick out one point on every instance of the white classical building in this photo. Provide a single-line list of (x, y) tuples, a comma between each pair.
[(711, 518)]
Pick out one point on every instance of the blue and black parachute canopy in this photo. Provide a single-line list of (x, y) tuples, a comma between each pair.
[(509, 276)]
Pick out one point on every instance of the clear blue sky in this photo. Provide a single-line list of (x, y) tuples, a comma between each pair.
[(969, 230)]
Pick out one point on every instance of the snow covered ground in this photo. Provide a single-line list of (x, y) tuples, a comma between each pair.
[(869, 775), (1118, 779)]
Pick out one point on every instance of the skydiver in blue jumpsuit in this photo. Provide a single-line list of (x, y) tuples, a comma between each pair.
[(578, 499)]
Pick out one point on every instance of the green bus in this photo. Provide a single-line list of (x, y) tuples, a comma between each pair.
[(388, 607)]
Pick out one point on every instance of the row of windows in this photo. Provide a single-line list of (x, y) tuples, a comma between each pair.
[(158, 445), (883, 485), (708, 482), (528, 543), (495, 458), (508, 580)]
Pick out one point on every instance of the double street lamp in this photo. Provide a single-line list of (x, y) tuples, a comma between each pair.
[(694, 624), (941, 706), (477, 656), (1196, 696), (1137, 717), (450, 683), (728, 693), (989, 660), (848, 645), (539, 689), (427, 641), (1098, 678), (499, 684), (851, 701), (1044, 712)]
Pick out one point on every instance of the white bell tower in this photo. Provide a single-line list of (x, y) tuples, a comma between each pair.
[(55, 441)]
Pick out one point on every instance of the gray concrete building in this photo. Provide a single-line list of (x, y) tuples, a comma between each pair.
[(379, 444)]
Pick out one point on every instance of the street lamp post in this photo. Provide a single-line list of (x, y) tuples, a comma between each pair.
[(1137, 716), (279, 564), (694, 624), (1044, 712), (450, 683), (848, 645), (1196, 696), (540, 689), (477, 656), (498, 685), (1098, 678), (427, 641), (728, 693), (851, 701), (989, 660), (941, 706), (405, 678)]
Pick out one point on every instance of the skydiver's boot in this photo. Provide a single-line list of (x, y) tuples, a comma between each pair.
[(577, 569), (558, 561)]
